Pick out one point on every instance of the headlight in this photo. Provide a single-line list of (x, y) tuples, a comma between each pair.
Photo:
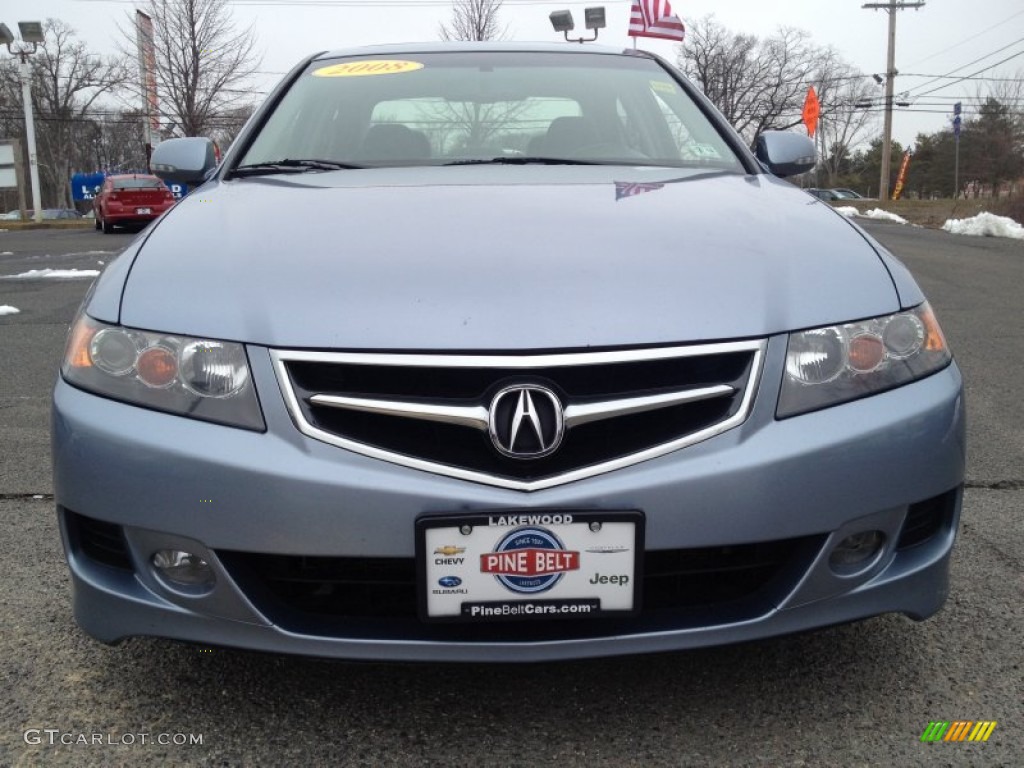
[(199, 378), (827, 366)]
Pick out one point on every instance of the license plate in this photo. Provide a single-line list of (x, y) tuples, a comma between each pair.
[(143, 210), (529, 565)]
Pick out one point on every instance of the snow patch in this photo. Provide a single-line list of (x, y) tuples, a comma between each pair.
[(878, 213), (7, 309), (985, 225), (65, 274), (875, 213), (6, 253)]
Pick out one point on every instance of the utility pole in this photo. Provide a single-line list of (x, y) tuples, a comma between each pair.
[(890, 74)]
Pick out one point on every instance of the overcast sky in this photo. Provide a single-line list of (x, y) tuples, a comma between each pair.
[(944, 37)]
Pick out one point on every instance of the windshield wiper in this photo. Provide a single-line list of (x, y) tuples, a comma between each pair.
[(517, 160), (290, 166)]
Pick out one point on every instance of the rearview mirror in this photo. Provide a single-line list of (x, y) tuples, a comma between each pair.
[(184, 161), (784, 153)]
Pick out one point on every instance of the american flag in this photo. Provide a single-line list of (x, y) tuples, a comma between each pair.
[(625, 189), (654, 18)]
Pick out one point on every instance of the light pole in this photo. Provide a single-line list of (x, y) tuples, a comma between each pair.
[(31, 33)]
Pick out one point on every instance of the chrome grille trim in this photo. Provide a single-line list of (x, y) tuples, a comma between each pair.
[(470, 416), (476, 417), (465, 416)]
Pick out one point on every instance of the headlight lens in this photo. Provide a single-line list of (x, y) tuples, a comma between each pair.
[(839, 363), (199, 378)]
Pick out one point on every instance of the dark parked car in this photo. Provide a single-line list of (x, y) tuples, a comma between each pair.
[(130, 199), (847, 194), (545, 364), (824, 194)]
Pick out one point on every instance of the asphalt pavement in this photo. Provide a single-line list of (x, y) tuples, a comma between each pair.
[(856, 695)]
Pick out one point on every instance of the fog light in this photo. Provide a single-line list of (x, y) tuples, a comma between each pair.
[(856, 551), (183, 568)]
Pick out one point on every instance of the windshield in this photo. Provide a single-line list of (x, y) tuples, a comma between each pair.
[(462, 107)]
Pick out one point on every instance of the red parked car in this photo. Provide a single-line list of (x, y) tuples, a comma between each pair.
[(130, 199)]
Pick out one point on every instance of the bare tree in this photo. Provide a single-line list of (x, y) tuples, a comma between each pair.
[(473, 20), (842, 125), (228, 125), (202, 61), (115, 141), (67, 80), (1009, 91), (755, 83)]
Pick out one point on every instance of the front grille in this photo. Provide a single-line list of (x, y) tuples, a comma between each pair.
[(468, 382), (377, 597), (99, 541)]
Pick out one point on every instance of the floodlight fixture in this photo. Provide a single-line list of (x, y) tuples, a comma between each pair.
[(562, 21), (878, 79), (6, 38), (31, 31), (594, 17)]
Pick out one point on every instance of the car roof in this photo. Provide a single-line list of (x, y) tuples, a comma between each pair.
[(486, 46)]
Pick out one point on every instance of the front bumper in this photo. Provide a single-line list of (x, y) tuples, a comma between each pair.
[(171, 482)]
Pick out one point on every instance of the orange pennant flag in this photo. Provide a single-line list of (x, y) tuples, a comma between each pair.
[(812, 109)]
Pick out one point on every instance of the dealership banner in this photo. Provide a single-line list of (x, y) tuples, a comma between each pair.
[(84, 186), (147, 77)]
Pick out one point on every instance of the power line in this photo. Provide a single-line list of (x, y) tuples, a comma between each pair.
[(965, 77), (983, 69), (968, 64), (967, 39)]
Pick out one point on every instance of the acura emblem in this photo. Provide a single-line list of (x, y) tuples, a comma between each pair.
[(526, 421)]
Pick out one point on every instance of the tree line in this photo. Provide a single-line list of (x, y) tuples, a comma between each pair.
[(88, 113), (760, 84)]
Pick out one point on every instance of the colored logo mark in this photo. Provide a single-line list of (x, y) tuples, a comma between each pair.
[(448, 550), (958, 730), (529, 560)]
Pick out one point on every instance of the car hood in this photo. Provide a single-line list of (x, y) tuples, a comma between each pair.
[(498, 257)]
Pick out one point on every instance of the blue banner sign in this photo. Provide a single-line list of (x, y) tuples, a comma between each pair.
[(85, 185)]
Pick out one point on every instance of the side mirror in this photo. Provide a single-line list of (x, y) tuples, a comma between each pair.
[(184, 161), (784, 153)]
